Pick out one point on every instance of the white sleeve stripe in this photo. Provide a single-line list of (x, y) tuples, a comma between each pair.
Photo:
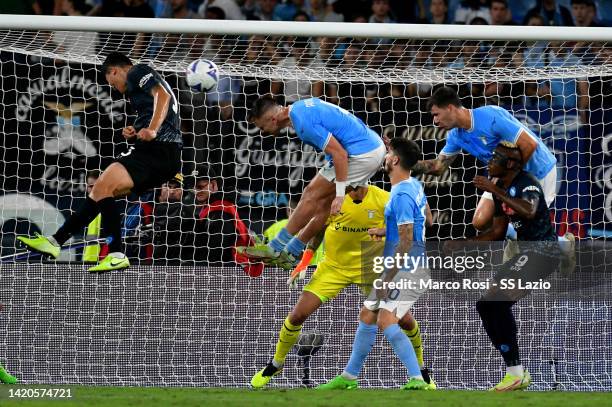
[(518, 134), (329, 135), (408, 222)]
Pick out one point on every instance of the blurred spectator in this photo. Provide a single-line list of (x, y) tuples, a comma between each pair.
[(470, 9), (403, 11), (219, 228), (177, 46), (328, 52), (138, 9), (301, 16), (352, 8), (380, 12), (231, 10), (323, 10), (500, 13), (584, 13), (76, 42), (300, 56), (439, 12), (91, 253), (260, 51), (169, 213), (44, 7), (552, 13), (287, 10), (352, 96), (564, 94), (263, 10), (478, 21)]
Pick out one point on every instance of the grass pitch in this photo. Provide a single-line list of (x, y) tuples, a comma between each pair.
[(186, 397)]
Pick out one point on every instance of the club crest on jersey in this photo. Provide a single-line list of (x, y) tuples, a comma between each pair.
[(512, 191), (371, 213)]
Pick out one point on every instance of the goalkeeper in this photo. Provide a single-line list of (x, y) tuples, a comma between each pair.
[(155, 157), (362, 212)]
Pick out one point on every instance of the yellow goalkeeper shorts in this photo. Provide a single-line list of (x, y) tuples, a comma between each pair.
[(327, 281)]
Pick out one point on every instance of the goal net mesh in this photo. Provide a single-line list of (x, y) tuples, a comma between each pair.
[(177, 318)]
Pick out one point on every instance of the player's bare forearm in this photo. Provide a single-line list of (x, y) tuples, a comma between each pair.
[(496, 232), (161, 102), (523, 208), (403, 247), (434, 167), (316, 240), (527, 145)]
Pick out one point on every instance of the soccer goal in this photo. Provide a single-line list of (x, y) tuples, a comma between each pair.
[(173, 319)]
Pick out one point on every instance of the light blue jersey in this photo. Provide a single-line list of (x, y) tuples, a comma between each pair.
[(490, 126), (315, 121), (407, 204)]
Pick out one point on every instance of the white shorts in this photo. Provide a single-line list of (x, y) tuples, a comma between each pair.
[(399, 301), (549, 187), (360, 167)]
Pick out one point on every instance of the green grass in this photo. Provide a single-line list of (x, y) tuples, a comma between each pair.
[(186, 397)]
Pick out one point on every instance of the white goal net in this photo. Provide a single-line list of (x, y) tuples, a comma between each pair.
[(185, 315)]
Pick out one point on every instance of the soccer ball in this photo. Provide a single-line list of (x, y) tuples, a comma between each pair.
[(202, 75)]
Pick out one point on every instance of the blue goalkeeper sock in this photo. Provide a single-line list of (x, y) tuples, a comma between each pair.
[(511, 232), (403, 349), (281, 240), (362, 344), (295, 247)]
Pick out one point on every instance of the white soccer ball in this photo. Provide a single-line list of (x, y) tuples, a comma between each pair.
[(202, 75)]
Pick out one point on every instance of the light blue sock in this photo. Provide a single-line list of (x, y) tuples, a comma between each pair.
[(403, 349), (511, 232), (281, 240), (362, 345), (295, 247)]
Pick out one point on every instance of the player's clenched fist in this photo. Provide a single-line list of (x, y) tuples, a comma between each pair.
[(128, 132), (146, 134)]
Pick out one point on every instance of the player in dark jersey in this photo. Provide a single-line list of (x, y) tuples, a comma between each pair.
[(153, 158), (519, 199)]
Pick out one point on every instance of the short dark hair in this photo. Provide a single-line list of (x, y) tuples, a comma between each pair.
[(444, 97), (261, 106), (585, 2), (408, 152), (504, 2), (115, 59)]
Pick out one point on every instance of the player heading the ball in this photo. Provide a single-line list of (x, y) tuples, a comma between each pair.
[(478, 131), (153, 158), (353, 151)]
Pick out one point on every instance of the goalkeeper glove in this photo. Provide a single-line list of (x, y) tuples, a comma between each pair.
[(299, 272)]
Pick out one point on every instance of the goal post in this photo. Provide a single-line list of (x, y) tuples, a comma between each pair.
[(175, 319)]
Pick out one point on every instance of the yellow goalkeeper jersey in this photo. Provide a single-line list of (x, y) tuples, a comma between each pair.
[(347, 231)]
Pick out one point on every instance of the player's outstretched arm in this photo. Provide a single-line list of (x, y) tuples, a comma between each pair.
[(434, 167), (496, 232)]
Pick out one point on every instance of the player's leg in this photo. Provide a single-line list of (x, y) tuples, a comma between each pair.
[(362, 345), (114, 182), (388, 322), (483, 216), (6, 377), (325, 284), (318, 190), (500, 325), (410, 327)]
